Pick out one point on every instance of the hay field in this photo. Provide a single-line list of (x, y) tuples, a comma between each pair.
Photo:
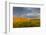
[(25, 22)]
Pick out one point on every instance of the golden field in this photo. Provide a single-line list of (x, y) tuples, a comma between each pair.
[(25, 22)]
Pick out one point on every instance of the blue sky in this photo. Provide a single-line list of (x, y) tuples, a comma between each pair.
[(26, 12)]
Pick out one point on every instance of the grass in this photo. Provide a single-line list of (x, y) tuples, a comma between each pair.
[(28, 23)]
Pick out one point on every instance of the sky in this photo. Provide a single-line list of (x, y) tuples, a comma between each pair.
[(26, 12)]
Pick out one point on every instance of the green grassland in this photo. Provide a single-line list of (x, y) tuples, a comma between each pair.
[(30, 23)]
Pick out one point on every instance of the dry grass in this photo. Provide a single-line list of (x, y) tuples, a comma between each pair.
[(25, 22)]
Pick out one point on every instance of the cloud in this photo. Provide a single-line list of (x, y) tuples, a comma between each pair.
[(26, 11)]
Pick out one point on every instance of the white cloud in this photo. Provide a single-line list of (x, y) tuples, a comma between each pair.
[(30, 14)]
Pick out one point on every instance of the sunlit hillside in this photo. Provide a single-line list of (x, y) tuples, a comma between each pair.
[(25, 22), (17, 19)]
